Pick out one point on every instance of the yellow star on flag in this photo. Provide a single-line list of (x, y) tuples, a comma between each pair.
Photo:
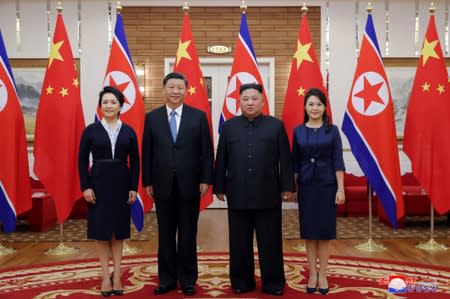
[(301, 91), (441, 89), (75, 82), (201, 81), (426, 87), (192, 90), (64, 92), (182, 51), (302, 53), (49, 90), (54, 53), (429, 50)]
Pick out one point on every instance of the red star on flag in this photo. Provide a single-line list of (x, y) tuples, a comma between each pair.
[(235, 94), (370, 93), (121, 87)]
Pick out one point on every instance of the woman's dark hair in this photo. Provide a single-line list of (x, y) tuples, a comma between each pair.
[(109, 89), (323, 98)]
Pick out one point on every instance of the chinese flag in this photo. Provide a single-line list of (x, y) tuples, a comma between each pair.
[(59, 124), (120, 74), (427, 124), (15, 191), (187, 62), (305, 74)]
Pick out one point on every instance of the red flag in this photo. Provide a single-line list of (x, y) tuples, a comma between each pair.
[(427, 124), (59, 124), (120, 74), (243, 71), (187, 62), (15, 191), (305, 74), (370, 128)]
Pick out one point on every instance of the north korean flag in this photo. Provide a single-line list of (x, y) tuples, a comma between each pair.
[(370, 128)]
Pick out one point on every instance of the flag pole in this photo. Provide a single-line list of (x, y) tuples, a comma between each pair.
[(6, 250), (370, 245), (431, 244), (61, 249), (301, 246), (186, 9), (127, 249)]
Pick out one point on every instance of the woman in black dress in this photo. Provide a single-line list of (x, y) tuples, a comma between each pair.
[(111, 184), (319, 169)]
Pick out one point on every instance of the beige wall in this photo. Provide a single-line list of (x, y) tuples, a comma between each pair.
[(153, 34)]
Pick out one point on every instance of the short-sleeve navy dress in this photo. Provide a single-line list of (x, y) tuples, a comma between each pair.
[(317, 155), (110, 178)]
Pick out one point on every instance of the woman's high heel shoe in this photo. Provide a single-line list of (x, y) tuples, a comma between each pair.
[(324, 291), (106, 293), (310, 290), (115, 292)]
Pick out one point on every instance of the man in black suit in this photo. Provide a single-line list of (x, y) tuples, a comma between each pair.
[(177, 155), (254, 171)]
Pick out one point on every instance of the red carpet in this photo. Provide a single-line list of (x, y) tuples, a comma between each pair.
[(348, 278)]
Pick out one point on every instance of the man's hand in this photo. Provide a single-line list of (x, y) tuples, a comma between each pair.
[(221, 196), (89, 196), (288, 196), (203, 189), (131, 197), (149, 190)]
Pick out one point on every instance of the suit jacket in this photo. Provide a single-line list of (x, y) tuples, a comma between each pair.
[(189, 157), (253, 163), (95, 140)]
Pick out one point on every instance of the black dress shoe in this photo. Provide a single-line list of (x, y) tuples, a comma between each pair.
[(310, 290), (324, 291), (242, 291), (162, 289), (189, 291), (273, 292)]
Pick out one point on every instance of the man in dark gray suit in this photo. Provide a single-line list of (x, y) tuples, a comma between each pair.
[(177, 157), (254, 171)]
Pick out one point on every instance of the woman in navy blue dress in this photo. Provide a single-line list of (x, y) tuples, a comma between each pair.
[(111, 184), (319, 169)]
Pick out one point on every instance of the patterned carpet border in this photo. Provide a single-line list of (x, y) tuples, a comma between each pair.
[(354, 278), (347, 228)]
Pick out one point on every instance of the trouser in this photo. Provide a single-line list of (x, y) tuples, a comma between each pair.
[(267, 225)]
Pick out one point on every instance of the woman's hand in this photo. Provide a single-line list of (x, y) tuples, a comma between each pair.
[(340, 197), (89, 195), (131, 197)]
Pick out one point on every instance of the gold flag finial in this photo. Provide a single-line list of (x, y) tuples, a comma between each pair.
[(369, 7), (119, 8), (243, 6), (59, 7), (304, 9), (186, 6), (432, 8)]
